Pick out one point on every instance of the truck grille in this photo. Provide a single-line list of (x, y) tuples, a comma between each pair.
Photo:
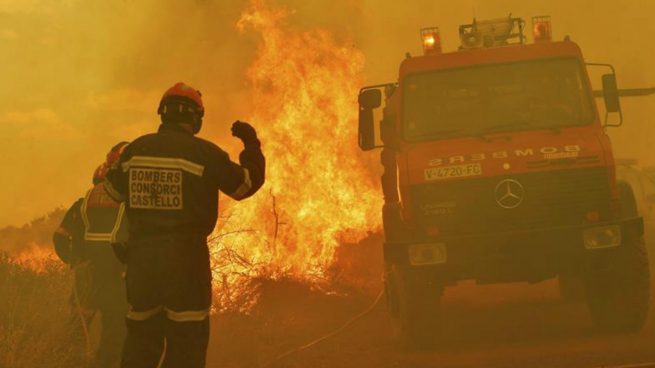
[(550, 199)]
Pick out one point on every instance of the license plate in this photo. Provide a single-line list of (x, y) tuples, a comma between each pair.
[(456, 171)]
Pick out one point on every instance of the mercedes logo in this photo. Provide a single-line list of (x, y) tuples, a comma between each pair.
[(509, 193)]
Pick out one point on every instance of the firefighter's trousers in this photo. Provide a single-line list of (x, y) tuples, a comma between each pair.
[(169, 292), (112, 335), (99, 292)]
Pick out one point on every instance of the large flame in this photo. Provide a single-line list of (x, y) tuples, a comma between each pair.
[(320, 192)]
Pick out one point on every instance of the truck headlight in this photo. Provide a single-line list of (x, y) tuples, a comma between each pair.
[(427, 254), (602, 237)]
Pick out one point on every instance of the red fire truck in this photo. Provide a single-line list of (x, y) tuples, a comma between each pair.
[(498, 169)]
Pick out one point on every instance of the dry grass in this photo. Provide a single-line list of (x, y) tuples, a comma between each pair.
[(36, 329)]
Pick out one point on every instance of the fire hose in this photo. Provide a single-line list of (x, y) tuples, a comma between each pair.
[(83, 320), (330, 335)]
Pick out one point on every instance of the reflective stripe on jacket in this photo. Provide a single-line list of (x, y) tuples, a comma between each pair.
[(170, 180), (103, 217)]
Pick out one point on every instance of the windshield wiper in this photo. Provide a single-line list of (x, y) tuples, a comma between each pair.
[(440, 133), (518, 123), (502, 127), (464, 133)]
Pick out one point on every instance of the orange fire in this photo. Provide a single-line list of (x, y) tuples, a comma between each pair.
[(320, 190), (36, 258)]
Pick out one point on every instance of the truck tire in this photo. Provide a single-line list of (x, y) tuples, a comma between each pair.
[(629, 206), (415, 301), (617, 283)]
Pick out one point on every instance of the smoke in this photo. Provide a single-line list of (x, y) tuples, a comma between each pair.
[(78, 76)]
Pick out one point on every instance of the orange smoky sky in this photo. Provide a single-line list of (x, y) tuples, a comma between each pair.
[(78, 76)]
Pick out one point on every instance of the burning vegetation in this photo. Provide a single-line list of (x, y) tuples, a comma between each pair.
[(319, 193), (29, 246)]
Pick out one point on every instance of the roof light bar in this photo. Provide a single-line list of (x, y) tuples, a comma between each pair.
[(491, 33), (431, 40), (542, 29)]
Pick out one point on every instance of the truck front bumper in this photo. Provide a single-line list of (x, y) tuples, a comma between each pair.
[(524, 255)]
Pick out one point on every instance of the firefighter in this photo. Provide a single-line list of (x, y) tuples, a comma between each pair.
[(169, 181), (83, 240)]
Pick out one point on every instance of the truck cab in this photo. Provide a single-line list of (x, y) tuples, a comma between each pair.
[(498, 168)]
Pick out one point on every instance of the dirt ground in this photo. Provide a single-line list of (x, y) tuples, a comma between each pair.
[(515, 325)]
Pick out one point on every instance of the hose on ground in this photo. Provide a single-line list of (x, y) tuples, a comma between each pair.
[(330, 335)]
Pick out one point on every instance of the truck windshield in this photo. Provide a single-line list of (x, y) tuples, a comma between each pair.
[(544, 94)]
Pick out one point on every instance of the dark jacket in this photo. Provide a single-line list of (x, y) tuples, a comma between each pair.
[(84, 240), (170, 180)]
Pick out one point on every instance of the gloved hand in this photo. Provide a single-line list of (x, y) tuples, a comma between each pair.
[(245, 132)]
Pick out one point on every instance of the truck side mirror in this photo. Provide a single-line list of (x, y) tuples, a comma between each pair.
[(611, 93), (366, 136), (368, 100)]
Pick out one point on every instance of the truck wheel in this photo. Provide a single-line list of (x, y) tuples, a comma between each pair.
[(617, 284), (571, 288), (415, 304)]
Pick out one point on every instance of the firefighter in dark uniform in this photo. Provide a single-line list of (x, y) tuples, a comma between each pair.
[(84, 240), (169, 181)]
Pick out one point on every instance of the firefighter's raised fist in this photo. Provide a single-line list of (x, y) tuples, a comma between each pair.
[(244, 131)]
